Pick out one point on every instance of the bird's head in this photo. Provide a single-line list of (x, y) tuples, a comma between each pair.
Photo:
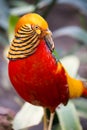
[(29, 29)]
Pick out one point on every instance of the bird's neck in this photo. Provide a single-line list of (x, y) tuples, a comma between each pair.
[(43, 48), (41, 58), (43, 52)]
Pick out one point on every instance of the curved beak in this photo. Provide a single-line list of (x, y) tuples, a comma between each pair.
[(49, 40)]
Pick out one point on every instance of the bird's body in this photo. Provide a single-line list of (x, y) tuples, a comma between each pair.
[(36, 79), (34, 71)]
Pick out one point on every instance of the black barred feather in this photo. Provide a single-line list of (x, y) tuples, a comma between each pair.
[(24, 43)]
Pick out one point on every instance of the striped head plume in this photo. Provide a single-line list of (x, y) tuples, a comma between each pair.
[(30, 29)]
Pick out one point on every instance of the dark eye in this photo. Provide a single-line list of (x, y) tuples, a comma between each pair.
[(36, 27)]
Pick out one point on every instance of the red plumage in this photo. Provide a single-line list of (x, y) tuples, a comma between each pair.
[(36, 79), (33, 70)]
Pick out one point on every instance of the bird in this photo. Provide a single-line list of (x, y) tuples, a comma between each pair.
[(35, 73)]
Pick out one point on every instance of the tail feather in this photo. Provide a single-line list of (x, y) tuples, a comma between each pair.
[(77, 88), (84, 94)]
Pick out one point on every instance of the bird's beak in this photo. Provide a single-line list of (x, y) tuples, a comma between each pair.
[(49, 40)]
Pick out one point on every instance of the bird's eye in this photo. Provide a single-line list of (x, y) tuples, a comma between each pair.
[(37, 29)]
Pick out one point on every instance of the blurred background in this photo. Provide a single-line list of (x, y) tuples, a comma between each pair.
[(68, 21)]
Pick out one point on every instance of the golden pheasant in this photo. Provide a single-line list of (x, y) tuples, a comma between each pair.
[(33, 70)]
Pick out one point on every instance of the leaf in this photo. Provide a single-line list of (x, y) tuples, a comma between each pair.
[(3, 39), (43, 3), (28, 116), (56, 127), (73, 31), (81, 106), (22, 10), (18, 3), (71, 64), (80, 4), (68, 117), (12, 22), (4, 12)]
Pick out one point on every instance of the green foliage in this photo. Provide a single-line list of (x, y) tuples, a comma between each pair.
[(73, 31), (28, 116), (79, 4), (4, 12), (81, 106), (68, 117), (12, 22)]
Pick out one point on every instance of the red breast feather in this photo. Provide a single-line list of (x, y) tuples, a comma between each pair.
[(36, 80)]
